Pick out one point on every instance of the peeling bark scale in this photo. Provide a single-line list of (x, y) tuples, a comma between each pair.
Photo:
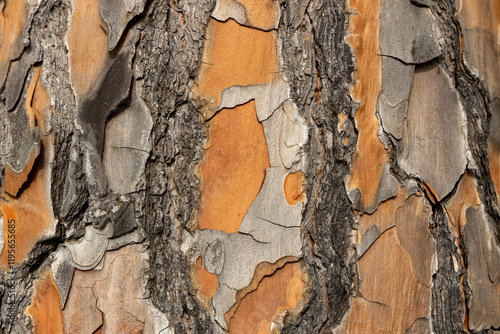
[(258, 166)]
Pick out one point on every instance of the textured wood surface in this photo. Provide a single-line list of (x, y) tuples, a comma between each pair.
[(263, 166)]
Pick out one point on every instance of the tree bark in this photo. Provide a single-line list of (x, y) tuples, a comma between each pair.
[(265, 166)]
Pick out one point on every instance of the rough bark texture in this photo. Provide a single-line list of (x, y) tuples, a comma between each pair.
[(263, 166), (172, 185), (319, 64)]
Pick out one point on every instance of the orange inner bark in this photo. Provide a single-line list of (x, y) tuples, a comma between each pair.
[(235, 55), (276, 293), (384, 216), (386, 272), (233, 169), (45, 308), (236, 157), (465, 197), (371, 155), (204, 282), (12, 20), (88, 48), (295, 186), (32, 209)]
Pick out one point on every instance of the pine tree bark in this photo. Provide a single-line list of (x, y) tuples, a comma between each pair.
[(212, 166)]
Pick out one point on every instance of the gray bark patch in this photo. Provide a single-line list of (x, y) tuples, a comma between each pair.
[(407, 32), (434, 140)]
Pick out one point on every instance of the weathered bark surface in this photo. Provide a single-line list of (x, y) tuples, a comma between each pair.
[(253, 166)]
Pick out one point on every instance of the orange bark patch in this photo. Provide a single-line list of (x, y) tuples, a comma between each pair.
[(10, 220), (263, 269), (395, 269), (295, 187), (495, 164), (45, 308), (370, 156), (368, 317), (384, 216), (80, 313), (119, 293), (497, 15), (111, 297), (31, 212), (88, 48), (234, 55), (204, 282), (233, 169), (276, 293), (236, 157), (483, 14), (480, 22), (12, 20), (412, 226), (465, 196), (129, 324), (396, 298), (32, 209)]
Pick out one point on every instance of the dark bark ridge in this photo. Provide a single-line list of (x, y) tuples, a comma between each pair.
[(168, 57), (475, 100), (448, 313), (47, 30), (319, 65)]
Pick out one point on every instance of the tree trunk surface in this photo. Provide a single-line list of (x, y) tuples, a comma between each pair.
[(260, 166)]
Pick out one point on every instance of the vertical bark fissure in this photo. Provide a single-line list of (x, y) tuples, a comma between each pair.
[(47, 29), (56, 76), (169, 54), (476, 103), (475, 100), (320, 70), (447, 303)]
